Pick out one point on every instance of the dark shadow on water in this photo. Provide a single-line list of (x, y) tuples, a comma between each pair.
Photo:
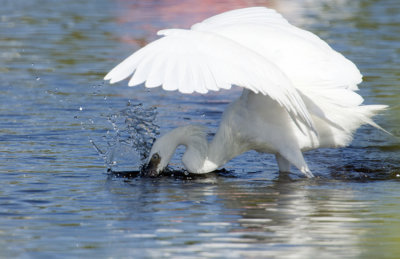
[(171, 173), (349, 172), (365, 173)]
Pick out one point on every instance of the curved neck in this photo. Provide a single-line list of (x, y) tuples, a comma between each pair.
[(195, 141), (200, 156)]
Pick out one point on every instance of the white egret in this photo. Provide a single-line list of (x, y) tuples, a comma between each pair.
[(298, 93)]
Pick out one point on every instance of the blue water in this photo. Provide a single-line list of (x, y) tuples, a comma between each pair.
[(58, 200)]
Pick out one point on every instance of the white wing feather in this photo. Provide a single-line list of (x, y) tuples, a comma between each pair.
[(194, 61), (302, 56)]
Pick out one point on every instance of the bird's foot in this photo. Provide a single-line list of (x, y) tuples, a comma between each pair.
[(306, 171)]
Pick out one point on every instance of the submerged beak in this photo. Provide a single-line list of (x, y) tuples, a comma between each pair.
[(150, 170)]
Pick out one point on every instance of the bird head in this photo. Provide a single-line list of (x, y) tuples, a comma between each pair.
[(151, 168), (159, 157)]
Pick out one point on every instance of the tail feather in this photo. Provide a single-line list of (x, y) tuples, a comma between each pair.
[(368, 111), (336, 120)]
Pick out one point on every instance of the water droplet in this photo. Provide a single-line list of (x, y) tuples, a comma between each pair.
[(128, 142), (80, 108)]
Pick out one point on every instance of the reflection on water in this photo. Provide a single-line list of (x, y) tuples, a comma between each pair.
[(57, 199), (254, 218)]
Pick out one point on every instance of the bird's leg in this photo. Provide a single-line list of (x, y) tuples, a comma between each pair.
[(305, 170), (298, 161), (283, 163)]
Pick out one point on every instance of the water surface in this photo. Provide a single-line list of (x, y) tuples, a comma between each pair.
[(57, 199)]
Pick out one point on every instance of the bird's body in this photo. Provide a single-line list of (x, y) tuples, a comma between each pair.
[(299, 94)]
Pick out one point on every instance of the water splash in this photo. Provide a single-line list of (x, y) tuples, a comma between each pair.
[(129, 141)]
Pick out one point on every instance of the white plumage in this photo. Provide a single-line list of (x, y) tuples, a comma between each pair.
[(298, 92)]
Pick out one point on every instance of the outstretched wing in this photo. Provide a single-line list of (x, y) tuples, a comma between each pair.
[(195, 61), (303, 57)]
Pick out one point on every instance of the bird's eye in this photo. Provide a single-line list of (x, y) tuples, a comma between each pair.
[(155, 156)]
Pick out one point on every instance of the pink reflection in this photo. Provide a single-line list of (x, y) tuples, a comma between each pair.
[(178, 12), (152, 15)]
